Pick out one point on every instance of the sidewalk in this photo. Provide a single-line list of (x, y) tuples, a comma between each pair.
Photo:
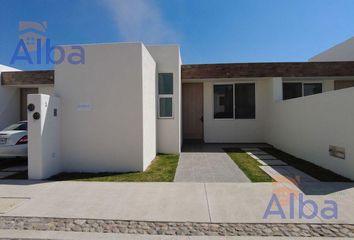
[(109, 236), (176, 202)]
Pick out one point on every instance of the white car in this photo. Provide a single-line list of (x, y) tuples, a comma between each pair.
[(14, 140)]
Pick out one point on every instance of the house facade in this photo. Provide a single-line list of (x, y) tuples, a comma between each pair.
[(129, 102)]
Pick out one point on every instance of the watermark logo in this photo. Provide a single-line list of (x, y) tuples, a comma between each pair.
[(34, 47), (30, 33), (286, 198)]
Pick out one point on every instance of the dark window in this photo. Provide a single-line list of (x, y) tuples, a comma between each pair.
[(312, 88), (245, 101), (292, 90), (223, 101), (165, 107), (165, 89), (165, 83)]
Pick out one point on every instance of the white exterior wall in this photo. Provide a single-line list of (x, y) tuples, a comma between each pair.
[(305, 127), (44, 134), (149, 108), (169, 137), (341, 52), (102, 109), (235, 130), (9, 102)]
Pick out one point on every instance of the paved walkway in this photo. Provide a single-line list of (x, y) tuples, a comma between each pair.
[(276, 168), (208, 167), (208, 163)]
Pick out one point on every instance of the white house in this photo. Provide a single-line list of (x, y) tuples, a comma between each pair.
[(129, 101)]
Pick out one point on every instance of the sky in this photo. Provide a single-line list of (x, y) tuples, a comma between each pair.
[(207, 31)]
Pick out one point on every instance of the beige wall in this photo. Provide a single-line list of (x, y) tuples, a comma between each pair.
[(102, 126), (168, 60), (235, 130)]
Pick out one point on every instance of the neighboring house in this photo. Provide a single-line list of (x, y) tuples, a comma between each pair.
[(341, 52), (130, 101)]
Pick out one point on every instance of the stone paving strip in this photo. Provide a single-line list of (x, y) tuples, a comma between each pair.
[(288, 172), (272, 162), (277, 168), (177, 228)]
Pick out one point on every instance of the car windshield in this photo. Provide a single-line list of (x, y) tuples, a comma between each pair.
[(17, 127)]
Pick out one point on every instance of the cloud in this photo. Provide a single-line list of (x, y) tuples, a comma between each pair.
[(140, 20)]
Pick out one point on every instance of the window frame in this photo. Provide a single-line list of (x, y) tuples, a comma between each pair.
[(159, 96), (302, 86), (233, 83)]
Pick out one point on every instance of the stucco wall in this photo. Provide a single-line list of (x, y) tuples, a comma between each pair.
[(235, 130), (102, 109), (9, 102), (149, 107), (44, 146), (168, 60), (305, 127)]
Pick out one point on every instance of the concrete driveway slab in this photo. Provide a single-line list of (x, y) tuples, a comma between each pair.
[(129, 201), (177, 202), (341, 194), (246, 203), (208, 167), (6, 204), (22, 188)]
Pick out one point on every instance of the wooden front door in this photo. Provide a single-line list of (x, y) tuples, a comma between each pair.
[(23, 101), (192, 110)]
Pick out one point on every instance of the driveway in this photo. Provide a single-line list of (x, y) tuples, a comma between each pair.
[(208, 167), (201, 162), (13, 167)]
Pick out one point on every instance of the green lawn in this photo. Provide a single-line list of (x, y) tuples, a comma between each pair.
[(248, 165), (162, 169), (311, 169)]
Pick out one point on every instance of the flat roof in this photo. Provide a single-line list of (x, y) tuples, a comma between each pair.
[(212, 71)]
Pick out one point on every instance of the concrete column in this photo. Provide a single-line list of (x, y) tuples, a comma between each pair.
[(277, 89)]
